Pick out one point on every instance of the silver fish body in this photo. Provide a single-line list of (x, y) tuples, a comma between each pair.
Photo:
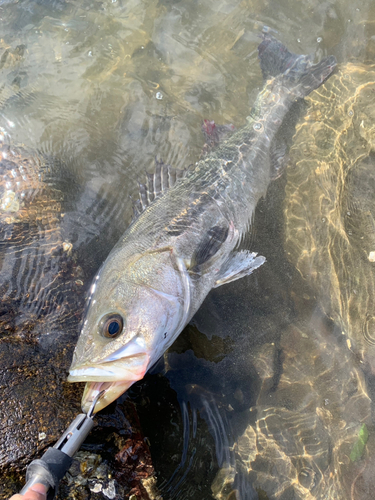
[(183, 243)]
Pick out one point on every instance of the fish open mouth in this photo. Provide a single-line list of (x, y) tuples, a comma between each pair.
[(114, 378), (112, 390)]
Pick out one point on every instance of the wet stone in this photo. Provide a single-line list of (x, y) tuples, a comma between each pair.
[(43, 285), (123, 468)]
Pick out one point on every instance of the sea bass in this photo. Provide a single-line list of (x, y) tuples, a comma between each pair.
[(183, 241)]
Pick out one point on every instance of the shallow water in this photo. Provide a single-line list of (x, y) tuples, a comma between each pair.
[(260, 396)]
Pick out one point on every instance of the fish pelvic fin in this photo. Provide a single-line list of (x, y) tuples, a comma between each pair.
[(299, 75), (157, 183), (238, 265)]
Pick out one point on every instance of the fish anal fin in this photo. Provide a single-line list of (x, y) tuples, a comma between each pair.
[(157, 183), (238, 265)]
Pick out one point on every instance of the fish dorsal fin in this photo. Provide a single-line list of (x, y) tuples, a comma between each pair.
[(157, 183)]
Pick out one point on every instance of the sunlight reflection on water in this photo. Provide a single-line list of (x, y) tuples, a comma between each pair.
[(82, 81)]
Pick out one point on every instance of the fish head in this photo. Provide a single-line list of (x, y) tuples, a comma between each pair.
[(135, 311)]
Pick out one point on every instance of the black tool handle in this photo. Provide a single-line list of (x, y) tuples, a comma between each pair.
[(48, 470)]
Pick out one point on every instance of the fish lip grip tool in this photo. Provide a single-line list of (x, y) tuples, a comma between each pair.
[(55, 462)]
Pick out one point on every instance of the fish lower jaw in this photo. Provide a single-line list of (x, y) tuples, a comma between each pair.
[(113, 379), (112, 390)]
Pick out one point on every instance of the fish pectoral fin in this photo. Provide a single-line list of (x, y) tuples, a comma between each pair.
[(238, 265)]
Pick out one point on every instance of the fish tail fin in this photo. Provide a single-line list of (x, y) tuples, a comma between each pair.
[(299, 75)]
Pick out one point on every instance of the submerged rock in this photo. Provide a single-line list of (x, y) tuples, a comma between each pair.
[(300, 444), (330, 203), (44, 274), (41, 302), (120, 465)]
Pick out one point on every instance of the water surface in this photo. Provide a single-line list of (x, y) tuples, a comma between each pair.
[(260, 397)]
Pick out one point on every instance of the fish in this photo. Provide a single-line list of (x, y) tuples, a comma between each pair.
[(184, 238)]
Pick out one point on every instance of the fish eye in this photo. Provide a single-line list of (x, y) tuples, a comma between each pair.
[(111, 325)]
